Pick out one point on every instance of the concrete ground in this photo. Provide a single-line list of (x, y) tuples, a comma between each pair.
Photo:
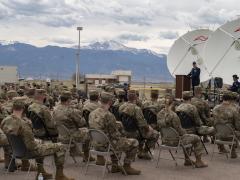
[(219, 168)]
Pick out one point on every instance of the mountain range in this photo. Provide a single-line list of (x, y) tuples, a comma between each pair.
[(97, 58)]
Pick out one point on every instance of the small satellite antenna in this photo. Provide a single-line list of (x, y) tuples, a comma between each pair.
[(222, 51), (185, 50)]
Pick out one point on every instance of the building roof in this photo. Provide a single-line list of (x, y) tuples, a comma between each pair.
[(100, 76), (122, 73)]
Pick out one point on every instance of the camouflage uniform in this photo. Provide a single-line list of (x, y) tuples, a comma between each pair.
[(155, 106), (91, 106), (71, 118), (16, 126), (192, 112), (135, 111), (203, 110), (168, 118), (105, 121), (44, 113)]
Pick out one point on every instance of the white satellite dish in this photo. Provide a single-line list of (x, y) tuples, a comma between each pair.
[(185, 50), (222, 51)]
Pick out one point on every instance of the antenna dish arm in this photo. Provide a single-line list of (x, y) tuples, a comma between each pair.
[(227, 33)]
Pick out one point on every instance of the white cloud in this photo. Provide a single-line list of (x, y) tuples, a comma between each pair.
[(143, 24)]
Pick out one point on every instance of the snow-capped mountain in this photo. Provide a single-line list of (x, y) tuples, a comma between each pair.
[(103, 58)]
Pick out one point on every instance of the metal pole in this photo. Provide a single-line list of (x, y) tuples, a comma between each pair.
[(78, 59)]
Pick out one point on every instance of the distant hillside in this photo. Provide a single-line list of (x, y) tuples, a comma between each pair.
[(59, 62)]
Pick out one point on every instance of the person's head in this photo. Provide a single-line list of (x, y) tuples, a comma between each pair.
[(132, 96), (121, 95), (194, 64), (169, 99), (93, 95), (235, 77), (21, 92), (187, 95), (227, 96), (18, 105), (234, 96), (11, 94), (66, 97), (154, 94), (40, 95), (106, 100)]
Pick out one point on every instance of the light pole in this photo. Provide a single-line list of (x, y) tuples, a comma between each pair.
[(78, 59)]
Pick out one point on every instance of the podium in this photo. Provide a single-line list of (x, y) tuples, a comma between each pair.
[(183, 83)]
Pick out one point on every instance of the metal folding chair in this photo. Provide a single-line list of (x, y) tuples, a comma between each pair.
[(65, 132), (98, 137), (225, 135), (86, 116), (20, 151), (168, 134)]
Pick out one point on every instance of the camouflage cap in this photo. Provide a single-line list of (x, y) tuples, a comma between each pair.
[(40, 92), (66, 94), (120, 92), (234, 95), (187, 94), (19, 102), (106, 96), (21, 92), (93, 93), (11, 94)]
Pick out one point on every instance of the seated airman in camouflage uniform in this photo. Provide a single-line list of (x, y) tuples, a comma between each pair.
[(93, 103), (102, 119), (168, 118), (130, 108), (226, 113), (119, 101), (15, 125), (154, 104), (202, 108), (191, 111), (71, 118), (43, 112)]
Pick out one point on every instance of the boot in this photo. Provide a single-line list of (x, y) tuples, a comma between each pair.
[(60, 175), (130, 171), (115, 167), (101, 161), (199, 163), (188, 162), (40, 169), (222, 149), (144, 155), (25, 166)]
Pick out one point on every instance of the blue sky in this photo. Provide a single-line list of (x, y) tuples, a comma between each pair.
[(151, 24)]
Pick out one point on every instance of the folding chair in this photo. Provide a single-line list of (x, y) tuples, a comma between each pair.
[(98, 137), (86, 116), (225, 136), (169, 134), (188, 123), (150, 116), (65, 131), (20, 151), (130, 125)]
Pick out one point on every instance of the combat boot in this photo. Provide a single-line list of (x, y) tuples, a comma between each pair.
[(60, 175), (199, 163), (189, 162), (130, 171), (40, 169), (144, 155), (25, 166), (115, 167), (101, 161)]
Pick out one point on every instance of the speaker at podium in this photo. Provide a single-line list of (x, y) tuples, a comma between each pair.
[(183, 83)]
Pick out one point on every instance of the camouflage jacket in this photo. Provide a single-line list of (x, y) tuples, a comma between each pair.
[(91, 106), (227, 114), (44, 113)]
